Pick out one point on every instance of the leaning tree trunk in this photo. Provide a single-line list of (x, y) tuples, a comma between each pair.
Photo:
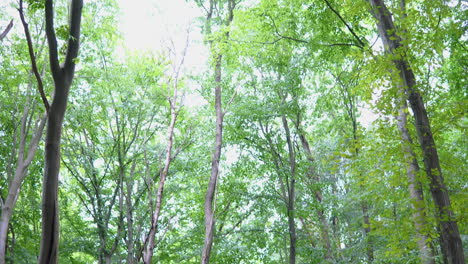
[(24, 159), (63, 76), (6, 30), (415, 189), (209, 198), (149, 241), (450, 236)]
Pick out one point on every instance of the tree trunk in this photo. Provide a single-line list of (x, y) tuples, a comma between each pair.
[(63, 76), (149, 241), (209, 197), (7, 208), (50, 220), (450, 235), (18, 178), (415, 189), (129, 206), (210, 193), (291, 193), (312, 174), (367, 230)]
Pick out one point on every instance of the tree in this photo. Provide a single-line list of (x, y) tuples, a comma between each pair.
[(175, 106), (63, 77), (217, 55), (450, 236), (26, 152)]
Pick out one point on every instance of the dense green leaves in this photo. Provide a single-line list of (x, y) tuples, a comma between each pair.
[(294, 72)]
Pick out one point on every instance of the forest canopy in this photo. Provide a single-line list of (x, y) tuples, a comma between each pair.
[(261, 131)]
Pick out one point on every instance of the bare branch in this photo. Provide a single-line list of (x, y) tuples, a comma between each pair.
[(7, 29)]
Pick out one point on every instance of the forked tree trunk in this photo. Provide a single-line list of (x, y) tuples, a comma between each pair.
[(24, 160), (450, 235), (63, 76)]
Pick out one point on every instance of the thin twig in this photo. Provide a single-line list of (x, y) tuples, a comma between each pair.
[(362, 45)]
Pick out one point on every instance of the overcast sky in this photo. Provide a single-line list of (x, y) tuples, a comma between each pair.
[(153, 24)]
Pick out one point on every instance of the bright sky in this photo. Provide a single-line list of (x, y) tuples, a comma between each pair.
[(153, 24), (156, 25)]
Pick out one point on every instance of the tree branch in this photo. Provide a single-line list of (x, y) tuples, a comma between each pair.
[(74, 38), (51, 39), (362, 45), (282, 36), (7, 29), (32, 56)]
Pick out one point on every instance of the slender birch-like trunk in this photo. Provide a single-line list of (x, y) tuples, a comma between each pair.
[(415, 189), (24, 160), (210, 193), (149, 241)]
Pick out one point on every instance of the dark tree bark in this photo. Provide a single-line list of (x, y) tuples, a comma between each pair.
[(62, 76), (7, 29), (450, 235), (291, 193)]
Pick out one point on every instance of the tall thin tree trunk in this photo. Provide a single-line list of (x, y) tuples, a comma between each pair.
[(291, 193), (350, 104), (129, 208), (149, 241), (210, 193), (450, 235), (209, 198), (63, 76), (415, 189)]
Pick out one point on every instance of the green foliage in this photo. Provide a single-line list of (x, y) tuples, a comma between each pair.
[(292, 59)]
